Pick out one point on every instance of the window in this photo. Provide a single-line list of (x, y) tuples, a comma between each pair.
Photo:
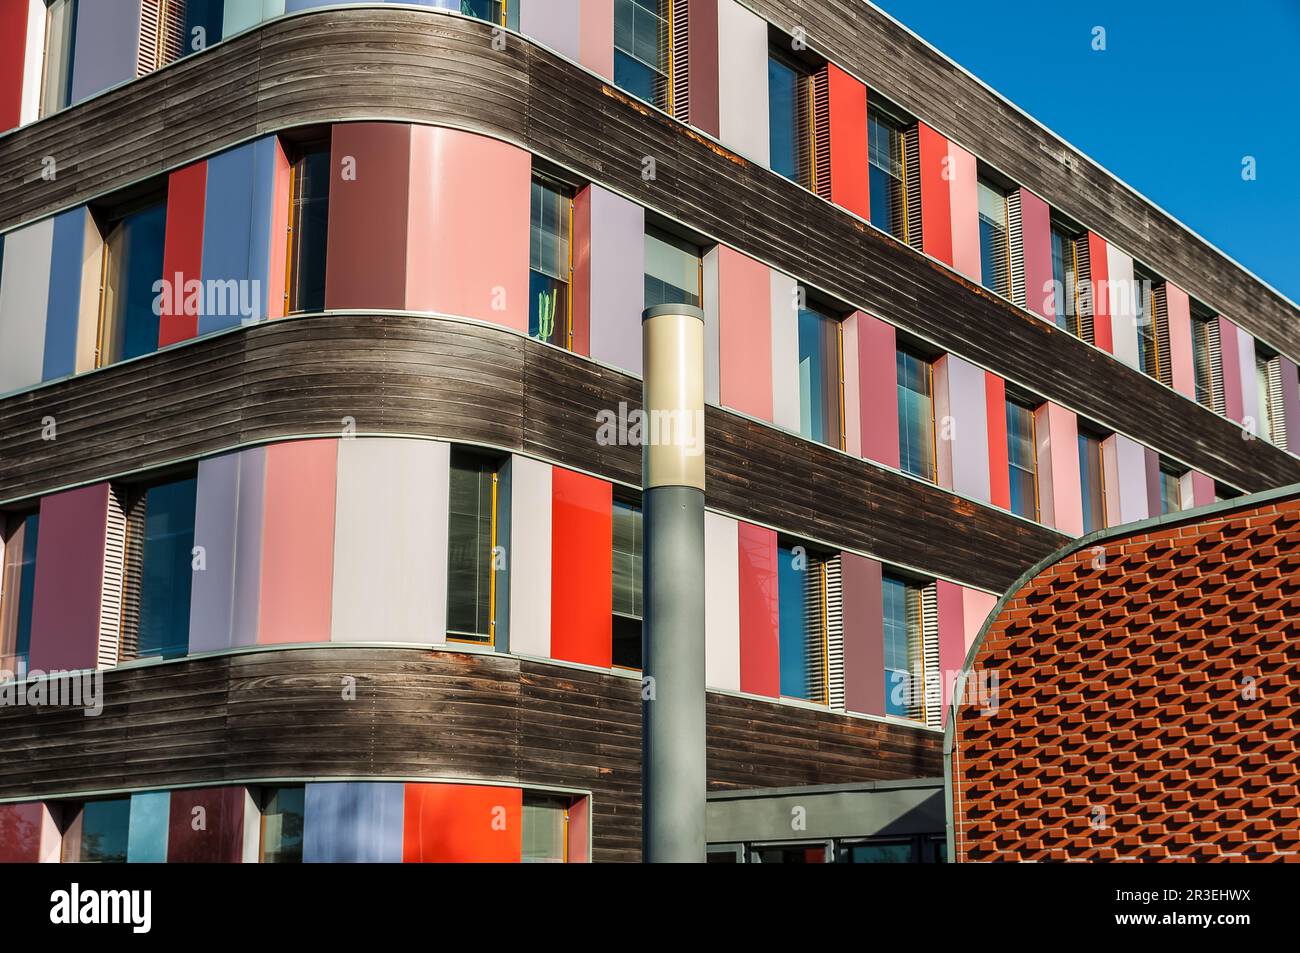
[(801, 585), (903, 647), (60, 33), (283, 810), (472, 540), (641, 45), (99, 833), (915, 416), (1148, 340), (546, 829), (1203, 344), (820, 397), (887, 183), (995, 260), (203, 23), (1171, 491), (1268, 379), (158, 569), (17, 589), (1091, 483), (550, 264), (132, 263), (309, 189), (501, 12), (1065, 274), (1022, 460), (672, 270), (816, 853), (628, 543), (879, 852), (789, 118)]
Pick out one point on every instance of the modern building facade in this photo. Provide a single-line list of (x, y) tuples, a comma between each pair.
[(1146, 699), (319, 406)]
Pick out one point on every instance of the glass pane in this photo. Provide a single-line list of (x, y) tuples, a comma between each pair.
[(1021, 460), (282, 823), (819, 377), (548, 309), (634, 76), (1170, 492), (135, 263), (880, 853), (105, 827), (798, 854), (802, 634), (167, 568), (1091, 486), (628, 528), (17, 586), (26, 587), (915, 416), (1063, 276), (60, 28), (672, 271), (1265, 392), (203, 21), (310, 225), (783, 118), (549, 234), (1201, 361), (902, 636), (545, 830), (469, 551)]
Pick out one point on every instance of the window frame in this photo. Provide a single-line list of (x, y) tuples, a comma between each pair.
[(297, 156), (896, 131), (567, 195), (803, 122), (1032, 412), (933, 476), (1082, 435), (663, 77), (488, 640), (1002, 240), (816, 562)]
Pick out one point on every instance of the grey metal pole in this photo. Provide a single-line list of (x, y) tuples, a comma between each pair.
[(673, 770)]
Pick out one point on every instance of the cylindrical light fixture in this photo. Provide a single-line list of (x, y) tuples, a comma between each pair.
[(673, 767)]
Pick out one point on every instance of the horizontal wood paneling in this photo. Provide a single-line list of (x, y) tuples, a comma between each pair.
[(434, 377), (424, 714), (430, 68)]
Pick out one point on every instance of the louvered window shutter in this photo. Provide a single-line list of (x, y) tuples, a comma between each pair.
[(112, 592), (132, 576), (1015, 256), (1160, 307), (1276, 403), (679, 51), (821, 132), (928, 701), (1215, 349), (1083, 290), (834, 634), (912, 187), (147, 52), (815, 641), (173, 39)]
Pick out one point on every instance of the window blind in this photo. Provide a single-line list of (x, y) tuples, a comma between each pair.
[(1160, 306), (835, 633), (1015, 256), (822, 132), (1215, 349), (928, 694), (815, 620), (912, 187), (679, 62), (1276, 408), (1083, 289), (112, 592)]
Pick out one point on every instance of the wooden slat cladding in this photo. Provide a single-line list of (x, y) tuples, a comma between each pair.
[(405, 64), (408, 374), (419, 713), (894, 62)]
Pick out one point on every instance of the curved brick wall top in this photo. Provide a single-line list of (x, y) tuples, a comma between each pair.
[(1146, 700)]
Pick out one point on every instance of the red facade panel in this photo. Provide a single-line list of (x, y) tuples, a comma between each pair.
[(462, 823), (878, 389), (848, 115), (582, 533), (936, 207), (995, 396), (13, 42), (702, 69), (760, 644), (182, 253), (206, 826), (1100, 267), (22, 827), (1036, 234)]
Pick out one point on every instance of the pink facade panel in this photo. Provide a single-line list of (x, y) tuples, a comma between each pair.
[(1231, 362), (298, 541), (1060, 499), (976, 606), (369, 196), (952, 635), (1291, 403), (878, 389), (760, 645), (744, 334), (69, 579), (1036, 231), (1202, 489), (1124, 475), (961, 427), (964, 202), (467, 243), (1179, 312), (596, 37)]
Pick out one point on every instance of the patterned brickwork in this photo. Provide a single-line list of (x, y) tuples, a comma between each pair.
[(1146, 703)]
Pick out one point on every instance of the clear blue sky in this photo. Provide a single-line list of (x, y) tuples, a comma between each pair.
[(1196, 85)]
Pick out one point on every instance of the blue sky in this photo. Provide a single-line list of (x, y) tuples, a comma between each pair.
[(1193, 88)]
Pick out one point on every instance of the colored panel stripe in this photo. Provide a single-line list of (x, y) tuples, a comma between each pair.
[(878, 389), (722, 607), (183, 254), (581, 290), (529, 565), (69, 579), (1036, 233), (596, 39), (237, 239), (69, 261), (1179, 318), (964, 191), (353, 822), (962, 424), (703, 66), (1099, 263), (995, 398), (936, 209), (952, 636), (852, 386), (206, 826), (617, 285), (848, 109), (298, 541), (13, 54), (1231, 363), (742, 81), (106, 44), (1060, 496), (864, 635), (582, 556), (24, 833), (271, 204), (785, 353), (760, 650), (147, 833), (1290, 403), (24, 291), (744, 333), (462, 823)]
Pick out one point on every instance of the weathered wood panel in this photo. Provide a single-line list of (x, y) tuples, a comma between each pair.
[(419, 713)]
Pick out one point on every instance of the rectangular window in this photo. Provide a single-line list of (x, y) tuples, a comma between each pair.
[(132, 264), (472, 540), (283, 810), (789, 117), (1022, 460), (641, 45), (1065, 274), (915, 416), (309, 190), (820, 395), (801, 585), (903, 646), (887, 183), (1092, 483), (628, 543), (1171, 491), (545, 829), (672, 270), (99, 834), (550, 264), (1268, 382), (1202, 361), (159, 570), (1148, 340), (995, 261), (501, 12), (17, 590), (60, 33)]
